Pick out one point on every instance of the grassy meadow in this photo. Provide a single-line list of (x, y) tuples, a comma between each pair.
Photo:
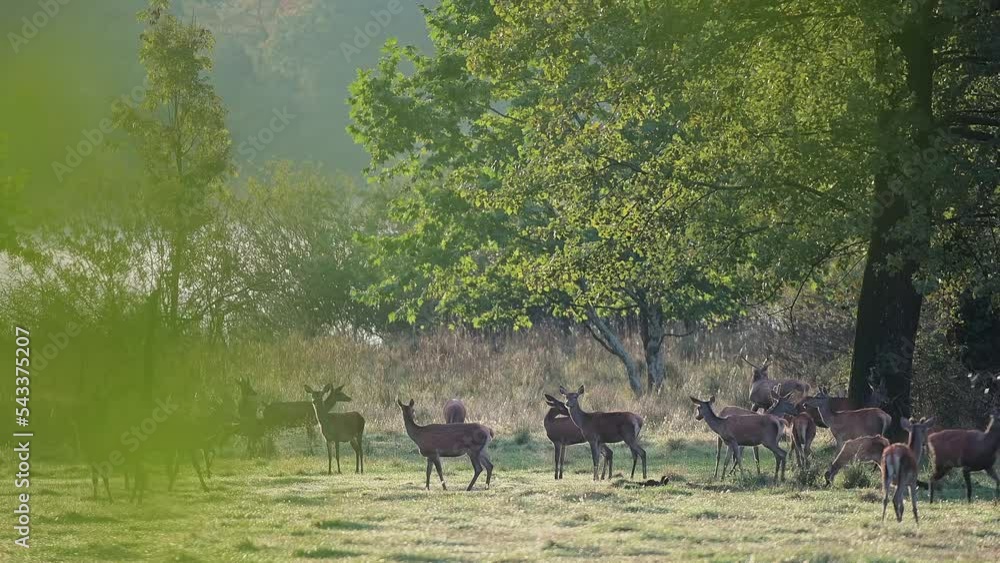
[(287, 508)]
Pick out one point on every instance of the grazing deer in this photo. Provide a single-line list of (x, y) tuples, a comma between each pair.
[(865, 448), (801, 428), (761, 386), (450, 440), (561, 430), (846, 425), (454, 412), (972, 450), (600, 428), (744, 430), (900, 465), (338, 427)]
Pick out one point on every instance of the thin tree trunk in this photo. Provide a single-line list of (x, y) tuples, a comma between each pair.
[(609, 339), (653, 333)]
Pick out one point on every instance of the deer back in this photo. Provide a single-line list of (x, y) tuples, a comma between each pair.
[(454, 412), (610, 427), (292, 413), (452, 439), (341, 426), (862, 422)]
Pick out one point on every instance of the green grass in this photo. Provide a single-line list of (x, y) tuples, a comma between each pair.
[(287, 508)]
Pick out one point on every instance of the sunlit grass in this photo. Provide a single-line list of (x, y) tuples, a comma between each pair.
[(288, 508)]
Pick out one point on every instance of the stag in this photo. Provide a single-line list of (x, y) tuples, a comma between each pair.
[(761, 386), (972, 450), (450, 440), (600, 428), (561, 430)]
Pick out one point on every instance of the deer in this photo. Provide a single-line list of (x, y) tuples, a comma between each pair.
[(600, 428), (846, 425), (733, 411), (744, 430), (250, 426), (450, 440), (900, 465), (290, 414), (561, 430), (800, 426), (454, 412), (865, 448), (338, 427), (878, 395), (972, 450), (761, 386)]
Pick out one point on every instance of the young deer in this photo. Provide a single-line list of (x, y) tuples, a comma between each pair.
[(600, 428), (734, 411), (801, 428), (875, 399), (338, 427), (972, 450), (450, 440), (761, 386), (866, 448), (746, 430), (900, 465), (846, 425), (561, 430), (454, 412)]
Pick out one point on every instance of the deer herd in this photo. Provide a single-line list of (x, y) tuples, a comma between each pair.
[(779, 410)]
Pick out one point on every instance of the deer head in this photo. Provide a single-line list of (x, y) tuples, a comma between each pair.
[(703, 408), (407, 408), (556, 404), (759, 372), (572, 399)]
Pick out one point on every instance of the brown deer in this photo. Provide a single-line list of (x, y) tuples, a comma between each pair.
[(972, 450), (761, 386), (561, 430), (338, 427), (454, 412), (875, 399), (733, 411), (600, 428), (846, 425), (744, 430), (865, 448), (450, 440), (900, 465), (290, 414), (800, 426)]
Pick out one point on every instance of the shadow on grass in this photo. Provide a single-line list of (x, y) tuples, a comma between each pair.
[(342, 525), (324, 553)]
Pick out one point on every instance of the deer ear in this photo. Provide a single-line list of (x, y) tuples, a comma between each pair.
[(711, 399), (549, 398), (693, 400), (308, 389), (398, 402), (580, 390), (411, 403), (563, 390), (906, 424), (928, 421)]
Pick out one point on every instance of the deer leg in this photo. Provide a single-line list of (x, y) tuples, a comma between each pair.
[(967, 475), (897, 501), (93, 479), (361, 450), (556, 448), (437, 465), (992, 472), (725, 463), (197, 469), (638, 452), (172, 467), (329, 460), (477, 466), (430, 464), (357, 460), (107, 486), (594, 453), (336, 445), (718, 454), (913, 502), (609, 458), (756, 458), (310, 434), (939, 473), (885, 498), (484, 458)]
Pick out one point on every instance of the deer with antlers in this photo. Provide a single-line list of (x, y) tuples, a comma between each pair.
[(338, 427), (450, 440), (561, 430), (846, 425), (745, 430), (600, 428), (875, 398), (761, 386), (900, 465), (972, 450)]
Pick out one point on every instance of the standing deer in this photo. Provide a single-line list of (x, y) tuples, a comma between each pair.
[(290, 414), (250, 426), (801, 428), (450, 440), (846, 425), (900, 465), (733, 411), (972, 450), (338, 427), (761, 386), (561, 430), (744, 430), (454, 412), (600, 428), (866, 448), (874, 399)]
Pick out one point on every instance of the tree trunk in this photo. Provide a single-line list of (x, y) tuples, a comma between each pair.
[(889, 305), (609, 339), (652, 331)]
